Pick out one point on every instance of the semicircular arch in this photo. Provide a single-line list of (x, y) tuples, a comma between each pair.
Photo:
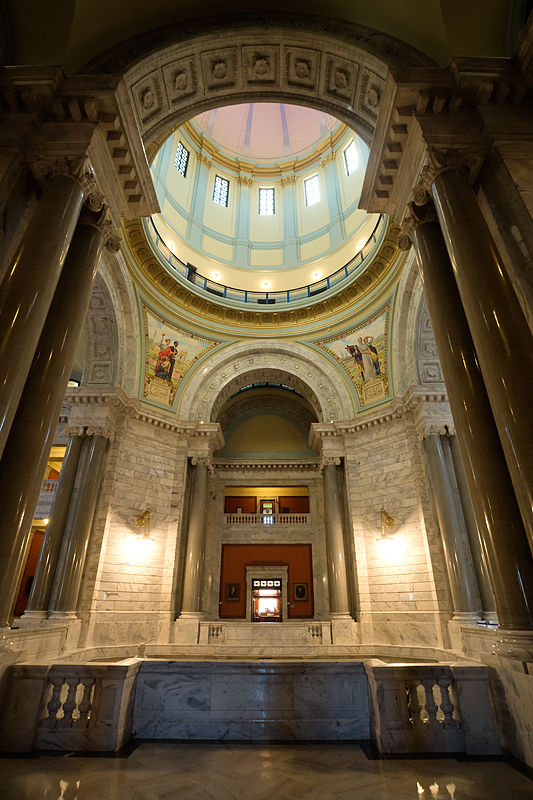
[(277, 361)]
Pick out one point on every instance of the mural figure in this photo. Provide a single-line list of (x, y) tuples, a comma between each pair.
[(362, 352), (169, 354)]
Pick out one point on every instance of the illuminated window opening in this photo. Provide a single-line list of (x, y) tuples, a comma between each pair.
[(351, 159), (182, 159), (312, 191), (266, 202), (221, 191)]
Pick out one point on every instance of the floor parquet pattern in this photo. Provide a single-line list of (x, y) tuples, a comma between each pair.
[(218, 771)]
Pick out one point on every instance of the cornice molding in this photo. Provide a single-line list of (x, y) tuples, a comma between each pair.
[(207, 310), (308, 464)]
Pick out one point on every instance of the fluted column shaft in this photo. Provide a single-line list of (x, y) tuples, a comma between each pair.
[(478, 556), (75, 548), (502, 533), (501, 335), (28, 287), (43, 581), (194, 563), (336, 557), (456, 557), (32, 431)]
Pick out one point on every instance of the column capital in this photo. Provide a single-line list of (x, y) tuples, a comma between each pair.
[(419, 211), (74, 430), (431, 430), (205, 461), (101, 430), (245, 180), (78, 169), (99, 218), (440, 160), (203, 159), (329, 461), (287, 180)]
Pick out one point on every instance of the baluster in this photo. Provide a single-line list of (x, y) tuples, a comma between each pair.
[(85, 705), (413, 704), (446, 705), (55, 702), (431, 706), (70, 703)]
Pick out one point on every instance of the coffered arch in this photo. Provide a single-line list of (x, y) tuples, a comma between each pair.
[(274, 361)]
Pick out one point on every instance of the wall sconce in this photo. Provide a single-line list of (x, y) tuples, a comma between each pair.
[(144, 540), (385, 542)]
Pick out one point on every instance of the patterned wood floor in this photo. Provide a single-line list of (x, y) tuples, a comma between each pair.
[(258, 772)]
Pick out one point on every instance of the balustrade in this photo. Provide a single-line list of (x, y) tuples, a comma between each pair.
[(266, 519), (49, 485)]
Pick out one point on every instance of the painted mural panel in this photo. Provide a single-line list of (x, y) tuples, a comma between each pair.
[(363, 352), (169, 354)]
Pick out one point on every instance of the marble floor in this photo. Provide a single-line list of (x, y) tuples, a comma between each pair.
[(256, 772)]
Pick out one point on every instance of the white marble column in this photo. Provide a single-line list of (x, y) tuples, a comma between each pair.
[(194, 562), (464, 599), (337, 580), (74, 549)]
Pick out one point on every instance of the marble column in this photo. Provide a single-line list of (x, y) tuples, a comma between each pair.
[(32, 431), (29, 285), (43, 581), (194, 562), (501, 334), (476, 550), (464, 599), (74, 550), (498, 518), (336, 557)]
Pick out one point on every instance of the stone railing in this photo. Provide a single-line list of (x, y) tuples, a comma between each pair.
[(266, 519), (431, 709), (49, 486), (69, 707)]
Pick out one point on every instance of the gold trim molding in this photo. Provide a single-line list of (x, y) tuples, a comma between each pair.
[(208, 311)]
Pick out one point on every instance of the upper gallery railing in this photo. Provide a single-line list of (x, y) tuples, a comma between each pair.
[(189, 272), (266, 519)]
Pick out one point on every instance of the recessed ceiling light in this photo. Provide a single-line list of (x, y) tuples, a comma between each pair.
[(360, 245), (170, 246), (265, 284), (216, 276), (316, 275)]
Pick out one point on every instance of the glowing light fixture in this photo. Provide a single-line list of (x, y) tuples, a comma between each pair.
[(46, 521), (143, 540), (216, 276), (265, 284), (171, 246), (385, 542), (360, 245), (316, 275)]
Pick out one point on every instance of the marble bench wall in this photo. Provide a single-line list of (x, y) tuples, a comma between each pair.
[(251, 701)]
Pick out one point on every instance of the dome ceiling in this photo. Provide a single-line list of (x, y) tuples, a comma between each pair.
[(265, 132)]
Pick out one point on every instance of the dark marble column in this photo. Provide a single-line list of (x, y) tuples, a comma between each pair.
[(31, 436), (498, 518), (29, 285), (500, 332), (74, 549)]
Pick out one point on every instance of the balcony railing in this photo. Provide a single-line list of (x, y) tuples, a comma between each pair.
[(49, 485), (189, 273), (266, 519)]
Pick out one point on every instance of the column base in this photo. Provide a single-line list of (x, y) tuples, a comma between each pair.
[(467, 617), (517, 645), (32, 619), (490, 617), (344, 631), (63, 616), (188, 628)]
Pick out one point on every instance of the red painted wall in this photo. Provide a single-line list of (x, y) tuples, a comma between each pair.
[(29, 572), (248, 505), (296, 505), (235, 558)]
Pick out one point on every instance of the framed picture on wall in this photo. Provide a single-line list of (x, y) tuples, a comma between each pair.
[(299, 591), (233, 592)]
